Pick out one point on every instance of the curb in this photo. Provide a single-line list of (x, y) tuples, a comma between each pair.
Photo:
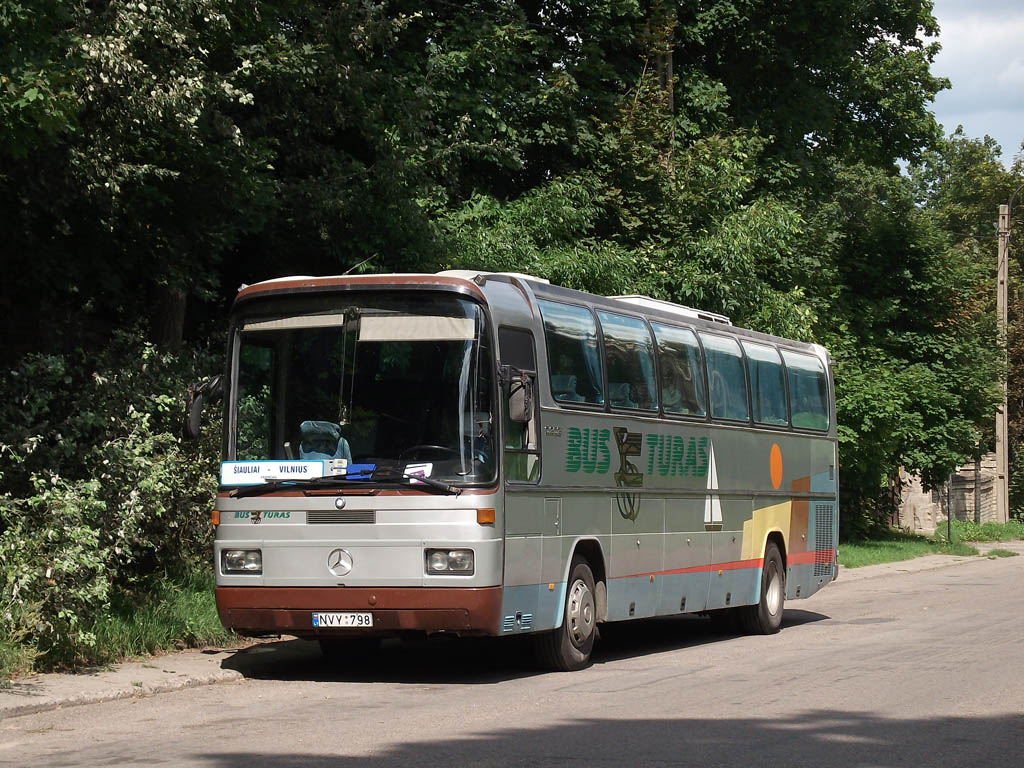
[(41, 693)]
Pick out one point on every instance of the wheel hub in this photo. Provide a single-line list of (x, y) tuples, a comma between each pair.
[(580, 613), (773, 599)]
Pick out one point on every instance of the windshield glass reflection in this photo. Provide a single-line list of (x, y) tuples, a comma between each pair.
[(400, 382)]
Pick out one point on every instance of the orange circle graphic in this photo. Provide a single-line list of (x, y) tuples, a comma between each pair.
[(775, 465)]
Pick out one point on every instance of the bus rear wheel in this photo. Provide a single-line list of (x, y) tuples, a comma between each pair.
[(765, 618), (568, 647)]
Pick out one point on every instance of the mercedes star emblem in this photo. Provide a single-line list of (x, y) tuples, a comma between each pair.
[(339, 562)]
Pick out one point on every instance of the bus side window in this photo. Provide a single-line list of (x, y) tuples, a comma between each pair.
[(808, 390), (767, 386), (726, 378), (574, 361), (522, 446), (681, 370), (629, 356)]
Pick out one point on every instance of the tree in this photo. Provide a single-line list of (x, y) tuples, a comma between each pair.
[(122, 196), (847, 80), (962, 183)]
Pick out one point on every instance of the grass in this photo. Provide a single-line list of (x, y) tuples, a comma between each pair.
[(16, 659), (1000, 553), (167, 615), (969, 531), (892, 546)]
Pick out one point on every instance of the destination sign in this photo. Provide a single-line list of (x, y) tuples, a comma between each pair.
[(258, 472)]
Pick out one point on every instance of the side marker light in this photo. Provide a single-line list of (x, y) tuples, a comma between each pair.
[(485, 516)]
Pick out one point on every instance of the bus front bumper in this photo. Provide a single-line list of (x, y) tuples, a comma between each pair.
[(289, 610)]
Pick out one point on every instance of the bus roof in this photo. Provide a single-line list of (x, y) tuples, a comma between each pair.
[(474, 280)]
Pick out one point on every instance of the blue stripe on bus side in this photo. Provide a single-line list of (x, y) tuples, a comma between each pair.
[(541, 608)]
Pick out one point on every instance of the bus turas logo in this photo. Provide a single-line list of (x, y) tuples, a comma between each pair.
[(258, 516), (589, 449), (671, 455), (628, 476)]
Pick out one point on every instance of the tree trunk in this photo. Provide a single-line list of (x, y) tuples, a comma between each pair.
[(167, 321)]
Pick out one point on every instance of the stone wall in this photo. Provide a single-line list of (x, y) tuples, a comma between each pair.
[(922, 511)]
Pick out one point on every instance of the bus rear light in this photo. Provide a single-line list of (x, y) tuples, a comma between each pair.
[(442, 561), (214, 517), (242, 561), (485, 516)]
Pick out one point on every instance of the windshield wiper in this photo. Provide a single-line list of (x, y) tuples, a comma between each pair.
[(328, 481), (385, 474), (427, 481)]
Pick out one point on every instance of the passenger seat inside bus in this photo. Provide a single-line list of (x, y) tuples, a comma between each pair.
[(619, 395), (563, 387), (322, 440)]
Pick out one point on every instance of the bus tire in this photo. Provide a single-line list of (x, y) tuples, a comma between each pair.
[(568, 647), (765, 618), (344, 651)]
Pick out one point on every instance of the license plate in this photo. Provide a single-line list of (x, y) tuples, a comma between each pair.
[(342, 620)]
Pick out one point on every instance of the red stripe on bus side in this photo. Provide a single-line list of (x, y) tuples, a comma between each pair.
[(803, 558), (809, 558), (736, 565)]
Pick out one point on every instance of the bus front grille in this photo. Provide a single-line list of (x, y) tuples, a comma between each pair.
[(340, 516)]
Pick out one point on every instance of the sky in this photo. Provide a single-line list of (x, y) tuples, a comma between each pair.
[(983, 55)]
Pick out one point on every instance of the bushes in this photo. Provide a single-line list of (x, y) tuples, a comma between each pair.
[(99, 493)]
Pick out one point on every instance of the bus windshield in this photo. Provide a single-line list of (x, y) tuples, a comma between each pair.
[(380, 384)]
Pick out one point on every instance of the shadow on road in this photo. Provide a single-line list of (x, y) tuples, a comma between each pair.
[(477, 661), (813, 739)]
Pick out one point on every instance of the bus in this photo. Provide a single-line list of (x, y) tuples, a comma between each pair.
[(487, 454)]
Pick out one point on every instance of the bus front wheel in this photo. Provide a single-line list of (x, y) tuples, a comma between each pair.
[(765, 617), (568, 647)]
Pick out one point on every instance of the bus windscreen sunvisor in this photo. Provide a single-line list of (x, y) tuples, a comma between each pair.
[(303, 321), (381, 327), (416, 328)]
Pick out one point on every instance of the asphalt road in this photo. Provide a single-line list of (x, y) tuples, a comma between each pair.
[(909, 669)]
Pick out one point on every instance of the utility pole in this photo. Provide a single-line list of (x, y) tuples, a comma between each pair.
[(1002, 452)]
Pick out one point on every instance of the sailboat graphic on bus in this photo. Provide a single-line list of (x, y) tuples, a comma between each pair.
[(712, 502)]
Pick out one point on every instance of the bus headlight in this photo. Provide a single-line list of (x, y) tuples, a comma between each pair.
[(241, 561), (458, 561)]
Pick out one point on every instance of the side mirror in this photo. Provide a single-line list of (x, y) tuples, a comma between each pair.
[(212, 388), (520, 398)]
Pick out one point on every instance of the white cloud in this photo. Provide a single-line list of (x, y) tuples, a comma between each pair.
[(982, 56), (1012, 76)]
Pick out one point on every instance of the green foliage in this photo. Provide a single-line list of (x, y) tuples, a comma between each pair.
[(965, 530), (961, 182), (916, 355), (842, 79), (99, 491)]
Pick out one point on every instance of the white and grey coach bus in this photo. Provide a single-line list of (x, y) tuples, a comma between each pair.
[(489, 454)]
